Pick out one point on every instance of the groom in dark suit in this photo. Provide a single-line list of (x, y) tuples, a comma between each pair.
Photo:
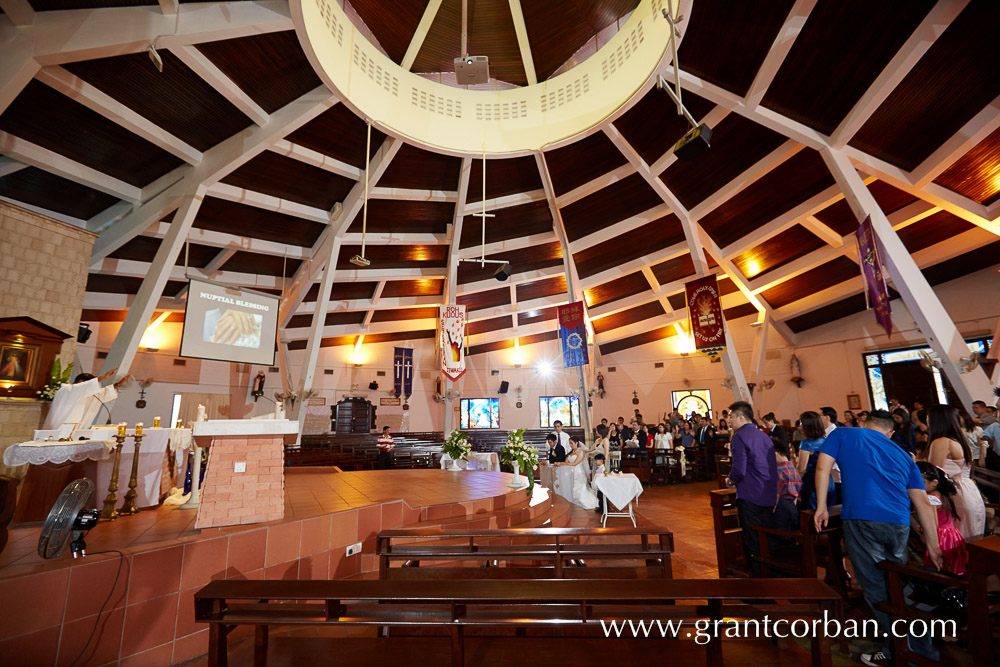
[(557, 454)]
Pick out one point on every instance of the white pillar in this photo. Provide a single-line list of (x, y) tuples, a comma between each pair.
[(924, 306)]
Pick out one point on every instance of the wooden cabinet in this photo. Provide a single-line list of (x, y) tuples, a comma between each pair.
[(352, 414)]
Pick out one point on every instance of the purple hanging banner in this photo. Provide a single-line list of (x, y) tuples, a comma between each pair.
[(869, 250)]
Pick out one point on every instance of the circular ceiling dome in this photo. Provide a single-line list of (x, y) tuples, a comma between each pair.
[(505, 122)]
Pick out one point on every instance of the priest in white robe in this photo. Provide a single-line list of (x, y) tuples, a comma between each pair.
[(79, 403)]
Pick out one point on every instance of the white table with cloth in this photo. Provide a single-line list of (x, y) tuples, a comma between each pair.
[(476, 461), (619, 490), (559, 479), (51, 466), (153, 460)]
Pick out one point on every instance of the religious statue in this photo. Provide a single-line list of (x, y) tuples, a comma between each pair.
[(258, 386)]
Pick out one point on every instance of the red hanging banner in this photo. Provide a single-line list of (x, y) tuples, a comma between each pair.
[(708, 327)]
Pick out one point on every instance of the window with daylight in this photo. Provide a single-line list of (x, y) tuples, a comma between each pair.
[(690, 401), (565, 409), (480, 413)]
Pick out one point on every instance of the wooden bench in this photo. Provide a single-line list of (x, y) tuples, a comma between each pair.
[(547, 550), (728, 534), (462, 604)]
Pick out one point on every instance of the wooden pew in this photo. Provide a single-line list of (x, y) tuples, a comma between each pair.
[(728, 544), (548, 550), (540, 604)]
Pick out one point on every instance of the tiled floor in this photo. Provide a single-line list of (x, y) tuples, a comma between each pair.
[(309, 492)]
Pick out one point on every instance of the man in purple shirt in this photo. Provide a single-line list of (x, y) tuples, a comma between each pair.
[(755, 476)]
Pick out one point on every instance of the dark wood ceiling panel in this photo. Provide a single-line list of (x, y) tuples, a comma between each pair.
[(935, 228), (176, 99), (777, 251), (626, 317), (485, 299), (400, 314), (52, 120), (242, 220), (400, 335), (102, 315), (492, 324), (503, 177), (339, 133), (825, 315), (392, 24), (350, 291), (726, 286), (678, 301), (725, 42), (541, 256), (955, 79), (100, 282), (294, 180), (510, 223), (737, 144), (975, 260), (839, 216), (619, 288), (786, 186), (609, 205), (638, 339), (144, 248), (541, 288), (417, 169), (742, 310), (331, 320), (400, 216), (54, 5), (558, 28), (533, 316), (491, 33), (674, 269), (37, 187), (976, 174), (421, 287), (812, 281), (656, 235), (266, 265), (836, 58), (495, 346), (271, 67), (582, 161), (654, 139), (395, 256), (329, 341)]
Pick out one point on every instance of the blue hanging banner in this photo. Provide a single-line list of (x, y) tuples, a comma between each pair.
[(407, 372), (399, 354), (573, 333)]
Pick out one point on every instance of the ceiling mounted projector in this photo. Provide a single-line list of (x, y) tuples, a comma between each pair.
[(358, 260), (470, 70), (503, 273), (694, 144)]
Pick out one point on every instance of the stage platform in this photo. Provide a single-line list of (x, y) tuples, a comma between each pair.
[(148, 619)]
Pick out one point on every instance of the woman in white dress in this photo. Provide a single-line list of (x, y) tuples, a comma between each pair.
[(584, 497), (950, 451)]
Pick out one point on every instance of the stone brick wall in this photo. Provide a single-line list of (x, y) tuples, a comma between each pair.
[(255, 496), (43, 275)]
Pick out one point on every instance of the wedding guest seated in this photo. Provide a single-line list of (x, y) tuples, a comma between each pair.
[(786, 514), (941, 491)]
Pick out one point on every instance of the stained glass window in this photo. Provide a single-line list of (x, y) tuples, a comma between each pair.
[(692, 400), (559, 408), (871, 359), (480, 413), (878, 389)]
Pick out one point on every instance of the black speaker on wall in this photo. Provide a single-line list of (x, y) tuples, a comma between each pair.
[(504, 386)]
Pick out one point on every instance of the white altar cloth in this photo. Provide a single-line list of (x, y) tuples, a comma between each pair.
[(476, 461)]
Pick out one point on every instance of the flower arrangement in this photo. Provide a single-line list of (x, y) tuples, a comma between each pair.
[(516, 450), (457, 445), (291, 397), (57, 378)]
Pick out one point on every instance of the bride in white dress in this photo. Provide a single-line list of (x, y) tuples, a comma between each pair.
[(577, 458)]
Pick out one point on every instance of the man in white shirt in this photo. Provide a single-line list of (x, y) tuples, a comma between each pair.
[(562, 438), (385, 446), (828, 417), (79, 403)]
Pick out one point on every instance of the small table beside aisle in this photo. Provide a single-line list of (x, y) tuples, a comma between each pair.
[(619, 490)]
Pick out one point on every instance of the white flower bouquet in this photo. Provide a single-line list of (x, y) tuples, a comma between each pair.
[(517, 451), (457, 446)]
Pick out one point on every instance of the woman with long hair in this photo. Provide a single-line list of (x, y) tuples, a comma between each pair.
[(941, 491), (812, 428), (948, 449), (850, 419), (902, 432)]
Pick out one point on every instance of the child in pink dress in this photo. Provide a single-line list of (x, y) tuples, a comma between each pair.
[(941, 490)]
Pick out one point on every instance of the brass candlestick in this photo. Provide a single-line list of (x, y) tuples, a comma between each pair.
[(109, 512), (128, 507)]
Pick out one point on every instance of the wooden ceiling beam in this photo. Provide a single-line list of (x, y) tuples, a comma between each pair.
[(19, 12), (522, 41), (420, 34), (9, 165), (215, 77), (796, 19), (974, 131), (316, 159)]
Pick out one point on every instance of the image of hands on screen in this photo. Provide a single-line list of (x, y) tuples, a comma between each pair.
[(232, 327)]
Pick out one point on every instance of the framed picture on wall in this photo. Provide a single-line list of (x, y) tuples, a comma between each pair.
[(853, 402), (17, 363)]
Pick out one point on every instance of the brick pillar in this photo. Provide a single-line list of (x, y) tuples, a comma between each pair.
[(229, 498)]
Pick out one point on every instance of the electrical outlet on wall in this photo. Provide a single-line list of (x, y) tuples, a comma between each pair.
[(240, 466), (354, 549)]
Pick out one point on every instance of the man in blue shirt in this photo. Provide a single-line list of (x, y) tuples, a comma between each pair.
[(879, 482), (754, 473)]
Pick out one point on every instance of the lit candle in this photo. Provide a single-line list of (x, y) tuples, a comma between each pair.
[(201, 413), (138, 428), (121, 429), (156, 422), (180, 424)]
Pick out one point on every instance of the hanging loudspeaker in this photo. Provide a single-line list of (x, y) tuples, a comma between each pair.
[(503, 387)]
